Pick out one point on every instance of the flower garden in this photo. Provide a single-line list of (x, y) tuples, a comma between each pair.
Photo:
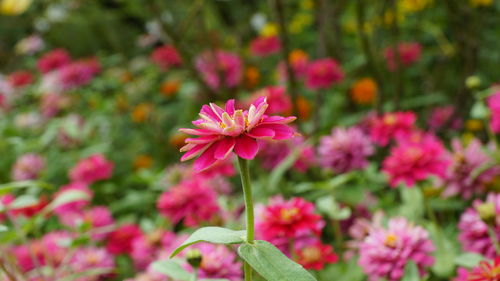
[(300, 140)]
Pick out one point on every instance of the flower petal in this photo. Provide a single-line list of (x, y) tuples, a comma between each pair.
[(230, 107), (206, 159), (195, 151), (261, 132), (224, 148), (281, 132), (196, 132), (246, 147)]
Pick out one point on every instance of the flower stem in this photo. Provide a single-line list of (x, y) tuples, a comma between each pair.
[(494, 239), (247, 193)]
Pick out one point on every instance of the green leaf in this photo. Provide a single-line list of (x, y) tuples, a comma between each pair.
[(271, 263), (445, 251), (215, 235), (411, 272), (330, 207), (413, 200), (9, 187), (468, 260), (66, 197), (173, 269), (3, 228)]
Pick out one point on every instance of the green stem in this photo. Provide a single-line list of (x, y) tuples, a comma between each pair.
[(247, 193), (494, 239)]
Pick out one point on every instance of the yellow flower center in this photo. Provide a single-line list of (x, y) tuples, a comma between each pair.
[(288, 214), (390, 240), (311, 254)]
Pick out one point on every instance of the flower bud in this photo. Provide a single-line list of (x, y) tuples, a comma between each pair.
[(486, 212), (473, 82), (194, 258)]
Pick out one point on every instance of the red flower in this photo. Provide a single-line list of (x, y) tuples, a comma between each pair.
[(166, 56), (323, 73), (53, 60), (265, 45), (20, 78), (316, 256), (120, 240), (486, 271)]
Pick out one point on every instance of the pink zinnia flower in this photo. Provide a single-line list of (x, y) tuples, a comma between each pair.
[(91, 169), (192, 201), (272, 153), (345, 150), (91, 258), (276, 97), (440, 116), (494, 105), (264, 46), (28, 167), (53, 60), (120, 240), (225, 64), (392, 126), (281, 221), (20, 78), (413, 161), (30, 45), (323, 73), (76, 74), (166, 56), (218, 262), (486, 271), (148, 247), (385, 252), (74, 206), (409, 53), (222, 131), (52, 103), (474, 223), (462, 177), (99, 218), (316, 256), (462, 275)]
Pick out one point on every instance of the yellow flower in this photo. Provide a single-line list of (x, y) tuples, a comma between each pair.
[(270, 29), (14, 7), (412, 6), (299, 22), (473, 125), (479, 3)]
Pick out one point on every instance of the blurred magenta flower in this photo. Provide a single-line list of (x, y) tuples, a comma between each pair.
[(299, 61), (221, 131), (74, 206), (463, 177), (220, 63), (385, 251), (92, 258), (272, 153), (345, 150), (76, 74), (30, 45), (322, 74), (99, 218), (411, 161), (486, 271), (53, 60), (276, 97), (150, 246), (264, 46), (316, 256), (474, 223), (166, 56), (494, 105), (91, 169), (409, 53), (120, 240), (440, 116), (392, 126), (28, 167), (192, 201)]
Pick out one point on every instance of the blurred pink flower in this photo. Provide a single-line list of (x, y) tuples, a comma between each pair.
[(276, 97), (53, 60), (345, 150), (92, 258), (272, 153), (474, 235), (20, 78), (76, 74), (193, 201), (409, 53), (440, 117), (412, 161), (166, 56), (494, 105), (150, 246), (283, 221), (52, 103), (91, 169), (264, 46), (30, 45), (99, 218), (392, 126), (462, 275), (462, 177), (316, 256), (222, 131), (218, 262), (385, 252), (322, 74), (74, 206), (220, 63), (28, 167), (120, 240)]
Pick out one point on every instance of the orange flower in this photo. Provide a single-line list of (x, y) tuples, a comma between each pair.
[(364, 91), (142, 162), (252, 77), (169, 88), (141, 112), (304, 108), (297, 56)]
